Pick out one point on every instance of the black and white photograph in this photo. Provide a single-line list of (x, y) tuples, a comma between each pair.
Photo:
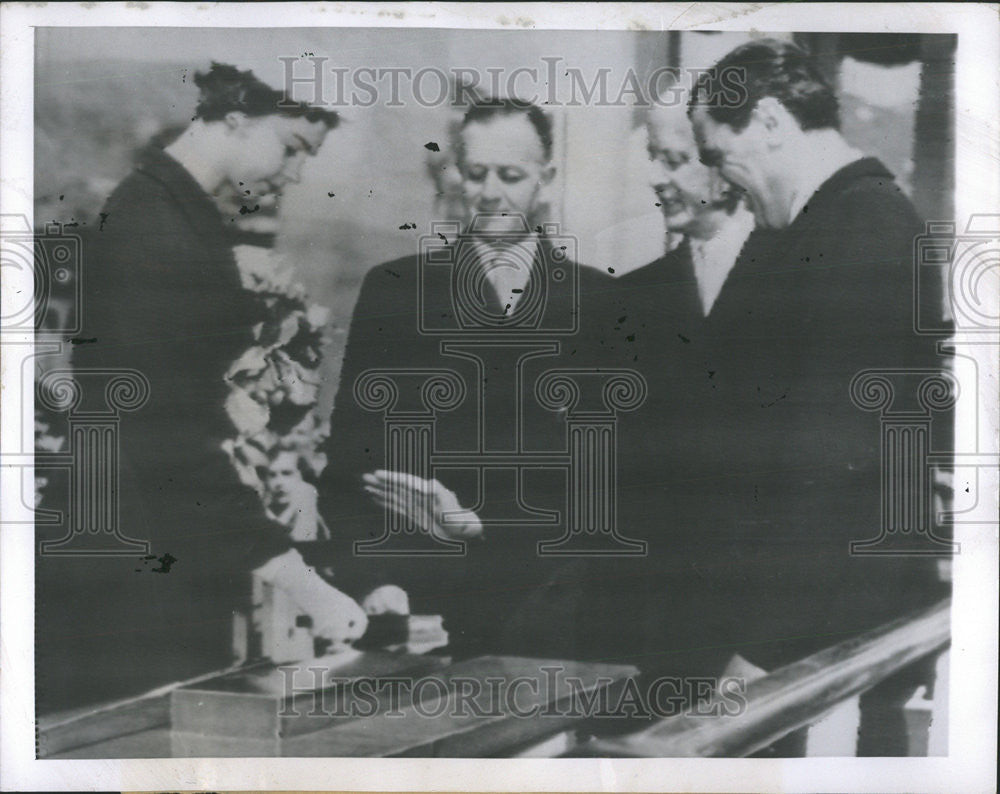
[(618, 390)]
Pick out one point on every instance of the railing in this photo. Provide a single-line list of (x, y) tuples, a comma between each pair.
[(820, 693), (792, 697)]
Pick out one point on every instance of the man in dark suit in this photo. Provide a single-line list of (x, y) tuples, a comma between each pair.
[(162, 295), (664, 305), (792, 462), (665, 301), (491, 307)]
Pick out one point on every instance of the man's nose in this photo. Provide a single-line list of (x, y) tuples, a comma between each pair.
[(721, 187), (492, 187), (659, 176), (292, 172), (689, 175)]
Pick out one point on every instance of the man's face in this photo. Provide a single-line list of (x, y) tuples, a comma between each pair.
[(281, 477), (742, 158), (268, 152), (503, 170), (686, 189)]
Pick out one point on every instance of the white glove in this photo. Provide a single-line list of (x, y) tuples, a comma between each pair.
[(336, 617), (387, 599)]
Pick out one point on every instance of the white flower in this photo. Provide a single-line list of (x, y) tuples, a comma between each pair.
[(247, 415), (317, 316), (289, 329), (252, 362)]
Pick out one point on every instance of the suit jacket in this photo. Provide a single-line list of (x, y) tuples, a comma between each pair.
[(500, 596), (783, 467), (659, 307), (162, 295)]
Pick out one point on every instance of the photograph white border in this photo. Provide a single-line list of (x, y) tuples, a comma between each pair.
[(971, 763)]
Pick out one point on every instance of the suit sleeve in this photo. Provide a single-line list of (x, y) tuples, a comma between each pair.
[(356, 442)]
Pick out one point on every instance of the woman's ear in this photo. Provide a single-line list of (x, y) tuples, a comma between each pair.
[(235, 119)]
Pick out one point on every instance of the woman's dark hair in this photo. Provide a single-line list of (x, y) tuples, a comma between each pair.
[(767, 68), (497, 108), (225, 89)]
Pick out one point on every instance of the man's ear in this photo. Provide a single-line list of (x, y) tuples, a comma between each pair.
[(545, 185), (774, 116), (543, 198)]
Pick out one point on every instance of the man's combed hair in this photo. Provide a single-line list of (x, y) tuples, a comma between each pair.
[(496, 108), (225, 89), (768, 68)]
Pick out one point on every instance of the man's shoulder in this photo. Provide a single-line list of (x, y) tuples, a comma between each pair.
[(867, 189), (666, 284), (592, 279), (390, 292), (673, 264), (393, 275)]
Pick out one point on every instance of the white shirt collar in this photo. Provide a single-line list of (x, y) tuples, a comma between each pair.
[(505, 279), (713, 259)]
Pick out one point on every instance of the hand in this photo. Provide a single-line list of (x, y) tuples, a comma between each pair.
[(427, 503), (386, 600), (738, 667), (336, 617)]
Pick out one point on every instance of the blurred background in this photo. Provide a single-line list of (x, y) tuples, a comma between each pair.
[(374, 188)]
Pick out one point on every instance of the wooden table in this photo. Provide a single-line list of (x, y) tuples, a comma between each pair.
[(444, 720)]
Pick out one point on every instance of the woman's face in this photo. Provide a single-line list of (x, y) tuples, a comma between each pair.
[(265, 153)]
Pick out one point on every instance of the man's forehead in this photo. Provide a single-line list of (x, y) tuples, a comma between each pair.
[(702, 123), (670, 128), (503, 139), (312, 132)]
